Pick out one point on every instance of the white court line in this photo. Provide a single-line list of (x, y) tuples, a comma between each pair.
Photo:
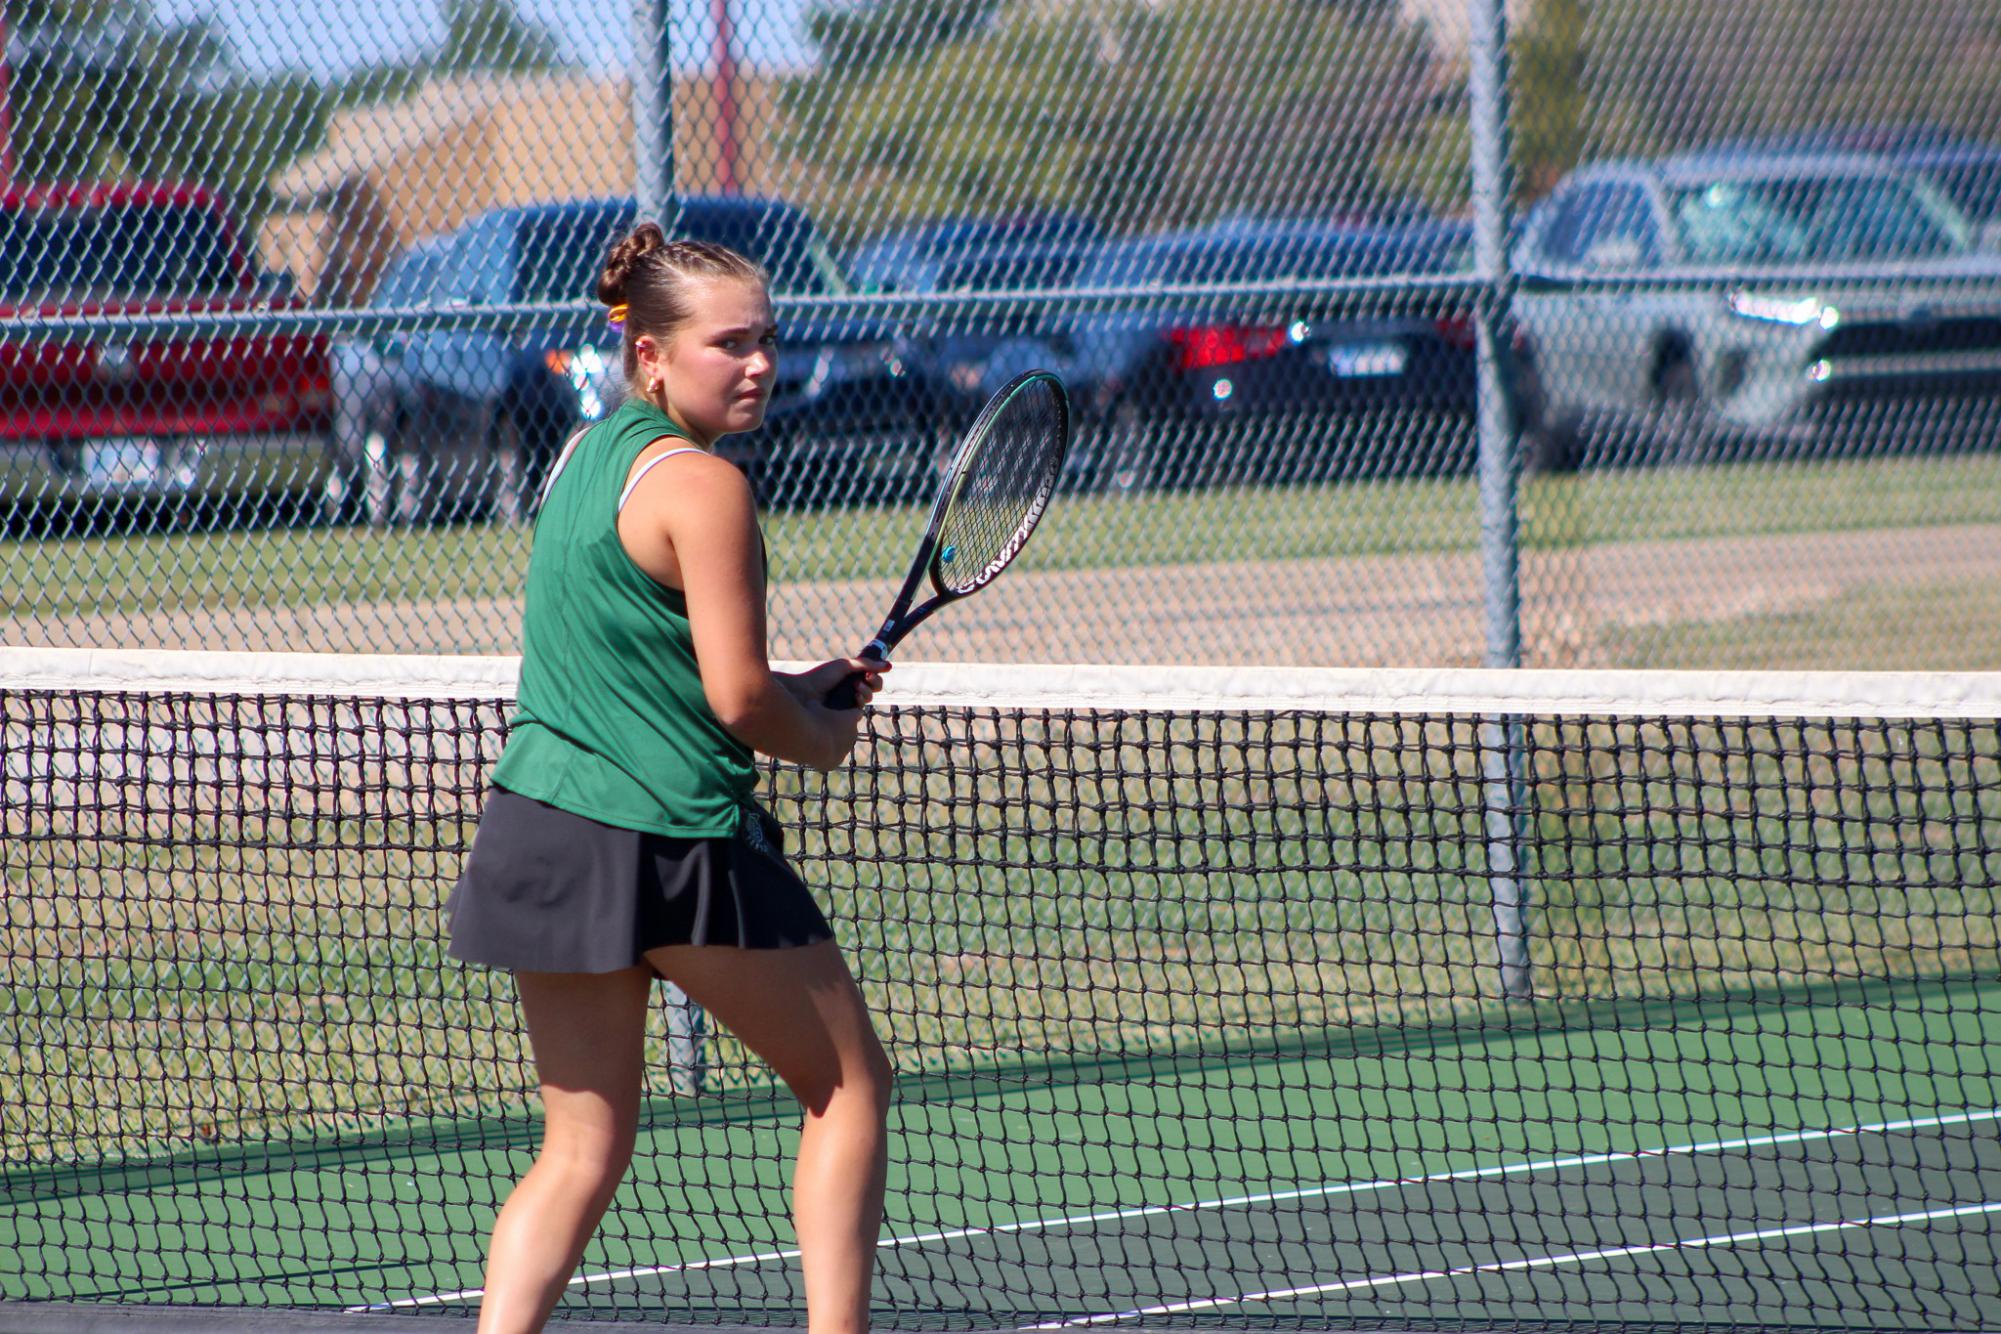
[(1241, 1201), (1528, 1262)]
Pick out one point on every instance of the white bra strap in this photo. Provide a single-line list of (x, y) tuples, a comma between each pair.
[(648, 467), (562, 461)]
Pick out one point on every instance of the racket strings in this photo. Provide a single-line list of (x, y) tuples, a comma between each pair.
[(1011, 472)]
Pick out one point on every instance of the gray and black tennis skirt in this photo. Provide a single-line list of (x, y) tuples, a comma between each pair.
[(547, 891)]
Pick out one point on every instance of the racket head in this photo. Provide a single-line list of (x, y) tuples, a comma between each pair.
[(999, 482)]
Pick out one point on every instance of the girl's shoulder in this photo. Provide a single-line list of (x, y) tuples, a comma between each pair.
[(636, 420)]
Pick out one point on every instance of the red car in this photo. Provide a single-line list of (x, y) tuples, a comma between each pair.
[(166, 424)]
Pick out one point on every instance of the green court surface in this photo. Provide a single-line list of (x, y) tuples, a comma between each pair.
[(1525, 1164)]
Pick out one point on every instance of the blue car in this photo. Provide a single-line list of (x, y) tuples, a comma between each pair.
[(488, 410), (372, 392)]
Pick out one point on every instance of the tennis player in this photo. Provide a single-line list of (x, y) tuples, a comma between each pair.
[(621, 844)]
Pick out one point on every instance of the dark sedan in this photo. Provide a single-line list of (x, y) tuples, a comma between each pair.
[(971, 351), (1192, 389)]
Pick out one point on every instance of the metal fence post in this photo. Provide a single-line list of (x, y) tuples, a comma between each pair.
[(653, 112), (653, 190), (1501, 737)]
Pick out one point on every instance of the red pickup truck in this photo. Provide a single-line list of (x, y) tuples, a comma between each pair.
[(125, 418)]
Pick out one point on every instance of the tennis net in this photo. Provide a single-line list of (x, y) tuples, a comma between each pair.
[(1307, 998)]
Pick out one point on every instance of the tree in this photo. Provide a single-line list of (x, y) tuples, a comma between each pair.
[(1641, 77), (1702, 70), (492, 35), (101, 87), (1550, 110), (1138, 114), (857, 40)]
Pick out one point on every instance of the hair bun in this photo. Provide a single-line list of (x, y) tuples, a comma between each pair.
[(625, 256)]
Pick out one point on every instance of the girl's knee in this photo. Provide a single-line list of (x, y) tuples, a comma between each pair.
[(881, 1074), (863, 1082), (587, 1163), (875, 1075)]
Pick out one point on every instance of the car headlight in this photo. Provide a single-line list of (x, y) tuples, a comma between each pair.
[(1797, 310), (597, 380)]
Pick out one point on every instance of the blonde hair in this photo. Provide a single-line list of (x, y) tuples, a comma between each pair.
[(645, 283)]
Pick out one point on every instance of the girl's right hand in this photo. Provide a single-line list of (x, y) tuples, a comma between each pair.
[(839, 727), (816, 683)]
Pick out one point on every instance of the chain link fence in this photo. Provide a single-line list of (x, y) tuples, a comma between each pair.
[(296, 315)]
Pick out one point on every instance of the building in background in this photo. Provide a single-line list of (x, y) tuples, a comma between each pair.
[(397, 172)]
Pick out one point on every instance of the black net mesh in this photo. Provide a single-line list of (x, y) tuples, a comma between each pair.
[(1217, 1016)]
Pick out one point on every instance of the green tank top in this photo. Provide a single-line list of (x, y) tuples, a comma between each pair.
[(611, 722)]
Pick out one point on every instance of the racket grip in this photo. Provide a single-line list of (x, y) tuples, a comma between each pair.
[(842, 696)]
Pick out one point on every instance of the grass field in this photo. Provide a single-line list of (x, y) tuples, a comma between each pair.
[(1941, 625), (305, 567)]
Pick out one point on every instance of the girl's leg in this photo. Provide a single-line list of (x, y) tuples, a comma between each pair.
[(588, 1033), (801, 1012)]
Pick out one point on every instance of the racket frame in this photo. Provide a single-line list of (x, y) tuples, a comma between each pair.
[(902, 619)]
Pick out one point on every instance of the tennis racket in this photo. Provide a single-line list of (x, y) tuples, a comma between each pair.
[(995, 491)]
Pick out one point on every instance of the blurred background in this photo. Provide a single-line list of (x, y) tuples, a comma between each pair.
[(297, 312)]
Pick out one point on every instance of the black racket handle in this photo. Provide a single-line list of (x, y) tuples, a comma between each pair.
[(843, 695)]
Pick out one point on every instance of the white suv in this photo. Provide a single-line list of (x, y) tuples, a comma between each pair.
[(1744, 294)]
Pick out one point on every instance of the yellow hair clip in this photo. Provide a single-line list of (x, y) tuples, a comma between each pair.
[(617, 313)]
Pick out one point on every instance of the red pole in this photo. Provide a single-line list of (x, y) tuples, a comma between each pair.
[(725, 93), (6, 108)]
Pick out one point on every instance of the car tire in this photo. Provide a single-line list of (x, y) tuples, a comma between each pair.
[(378, 486), (1551, 438), (508, 474), (1119, 460), (1677, 419), (1553, 447)]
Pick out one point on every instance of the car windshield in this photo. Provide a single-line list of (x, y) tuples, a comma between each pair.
[(115, 252), (562, 252), (1973, 186), (411, 281), (1807, 218), (1262, 256)]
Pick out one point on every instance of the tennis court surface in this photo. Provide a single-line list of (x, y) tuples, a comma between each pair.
[(1304, 999)]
